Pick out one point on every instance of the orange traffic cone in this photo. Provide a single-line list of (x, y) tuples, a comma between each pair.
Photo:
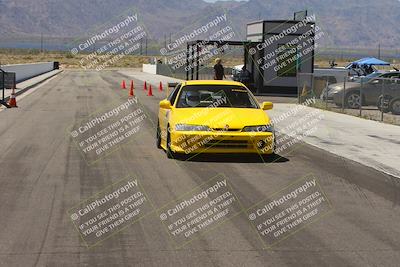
[(145, 86), (123, 84), (13, 101), (150, 93), (160, 87), (131, 93)]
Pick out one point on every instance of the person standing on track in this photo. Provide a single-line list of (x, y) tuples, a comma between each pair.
[(219, 72)]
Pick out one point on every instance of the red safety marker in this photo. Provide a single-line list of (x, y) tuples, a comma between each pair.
[(13, 100), (150, 93), (131, 93)]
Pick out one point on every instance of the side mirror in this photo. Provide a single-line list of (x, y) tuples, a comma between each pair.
[(267, 105), (165, 104)]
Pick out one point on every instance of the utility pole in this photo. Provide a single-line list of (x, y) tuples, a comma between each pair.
[(41, 42), (379, 51), (146, 45), (2, 86)]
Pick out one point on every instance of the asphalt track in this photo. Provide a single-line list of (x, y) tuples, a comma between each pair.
[(43, 175)]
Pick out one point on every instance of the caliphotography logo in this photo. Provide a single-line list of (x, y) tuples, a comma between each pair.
[(105, 132)]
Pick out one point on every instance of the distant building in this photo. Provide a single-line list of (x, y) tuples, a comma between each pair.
[(279, 51)]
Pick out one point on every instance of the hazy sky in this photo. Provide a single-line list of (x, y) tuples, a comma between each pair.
[(225, 0)]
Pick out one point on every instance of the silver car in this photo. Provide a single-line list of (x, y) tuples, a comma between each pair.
[(330, 90), (353, 96)]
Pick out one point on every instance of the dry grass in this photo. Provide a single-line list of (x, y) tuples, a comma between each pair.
[(67, 60)]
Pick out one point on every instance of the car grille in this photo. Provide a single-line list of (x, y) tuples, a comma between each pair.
[(226, 130), (227, 144)]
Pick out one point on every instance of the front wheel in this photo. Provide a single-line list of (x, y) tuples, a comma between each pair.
[(353, 100), (383, 104), (158, 137), (395, 107), (170, 153)]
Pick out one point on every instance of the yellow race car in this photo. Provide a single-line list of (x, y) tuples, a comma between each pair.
[(214, 117)]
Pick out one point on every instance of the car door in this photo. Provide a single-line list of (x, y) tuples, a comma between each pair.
[(374, 88), (371, 90), (393, 89)]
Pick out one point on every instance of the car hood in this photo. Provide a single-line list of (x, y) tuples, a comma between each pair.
[(236, 118), (340, 86)]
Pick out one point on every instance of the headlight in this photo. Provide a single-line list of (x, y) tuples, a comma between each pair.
[(261, 128), (335, 89), (188, 128)]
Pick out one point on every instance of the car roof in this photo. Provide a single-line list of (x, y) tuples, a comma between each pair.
[(390, 73), (212, 82), (393, 72)]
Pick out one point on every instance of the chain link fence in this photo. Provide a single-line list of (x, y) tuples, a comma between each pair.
[(370, 98)]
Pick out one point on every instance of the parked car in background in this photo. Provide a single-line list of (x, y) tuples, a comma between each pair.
[(356, 70), (325, 76), (236, 72), (367, 78), (333, 75), (390, 101), (331, 89), (365, 66), (352, 95)]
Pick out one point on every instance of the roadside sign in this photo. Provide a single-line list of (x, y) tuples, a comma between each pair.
[(9, 80), (300, 15)]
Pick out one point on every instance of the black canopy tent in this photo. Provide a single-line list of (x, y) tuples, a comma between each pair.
[(193, 49)]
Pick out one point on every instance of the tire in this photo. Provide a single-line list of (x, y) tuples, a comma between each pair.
[(380, 105), (352, 100), (170, 153), (395, 106), (158, 137)]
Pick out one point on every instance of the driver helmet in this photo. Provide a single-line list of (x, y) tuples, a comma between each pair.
[(192, 98)]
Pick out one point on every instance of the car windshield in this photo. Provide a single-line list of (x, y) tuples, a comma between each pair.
[(233, 96), (372, 75), (367, 77)]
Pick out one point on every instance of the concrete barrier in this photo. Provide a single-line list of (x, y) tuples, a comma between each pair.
[(27, 71)]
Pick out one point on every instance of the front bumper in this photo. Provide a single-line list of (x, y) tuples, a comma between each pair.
[(327, 94), (325, 97), (338, 98), (222, 142)]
